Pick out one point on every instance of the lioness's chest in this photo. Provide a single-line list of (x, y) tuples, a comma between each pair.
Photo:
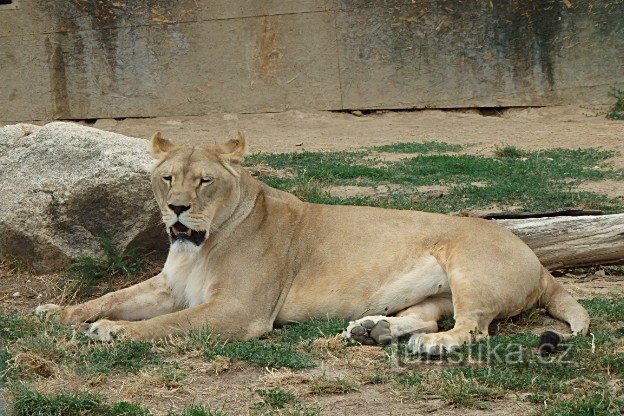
[(189, 278)]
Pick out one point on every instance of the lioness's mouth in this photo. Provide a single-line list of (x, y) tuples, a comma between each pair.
[(179, 231)]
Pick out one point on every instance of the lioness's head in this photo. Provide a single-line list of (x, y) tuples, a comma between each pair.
[(196, 187)]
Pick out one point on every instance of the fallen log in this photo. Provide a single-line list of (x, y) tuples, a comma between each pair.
[(569, 212), (567, 242)]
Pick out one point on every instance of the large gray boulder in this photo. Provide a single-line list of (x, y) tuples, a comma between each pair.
[(62, 185)]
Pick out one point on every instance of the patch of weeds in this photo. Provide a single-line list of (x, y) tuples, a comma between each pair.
[(280, 348), (86, 272), (375, 379), (412, 379), (261, 352), (613, 363), (120, 356), (510, 152), (275, 398), (28, 402), (532, 377), (312, 329), (171, 377), (423, 147), (4, 358), (194, 340), (595, 403), (464, 392), (196, 410), (31, 347), (453, 388), (616, 112), (14, 326), (126, 409), (611, 309), (324, 385)]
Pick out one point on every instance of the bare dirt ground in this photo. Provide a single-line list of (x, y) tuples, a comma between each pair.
[(528, 128), (232, 389)]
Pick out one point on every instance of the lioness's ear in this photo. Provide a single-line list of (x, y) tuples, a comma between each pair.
[(160, 146), (234, 150)]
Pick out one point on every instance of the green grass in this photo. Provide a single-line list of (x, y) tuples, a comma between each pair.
[(31, 403), (28, 402), (513, 180), (197, 410), (121, 356), (261, 353), (509, 152), (4, 358), (281, 348), (455, 389), (423, 147), (616, 112), (56, 343), (27, 334), (310, 330), (16, 326), (610, 308), (86, 272), (275, 398), (592, 404)]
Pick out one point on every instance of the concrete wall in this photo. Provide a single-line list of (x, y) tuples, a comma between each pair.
[(140, 58)]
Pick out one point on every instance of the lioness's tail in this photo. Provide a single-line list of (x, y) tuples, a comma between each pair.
[(561, 305)]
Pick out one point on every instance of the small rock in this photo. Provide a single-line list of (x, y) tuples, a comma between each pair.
[(299, 144), (17, 294), (357, 113), (39, 296)]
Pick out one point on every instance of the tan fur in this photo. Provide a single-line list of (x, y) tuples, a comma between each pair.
[(270, 258)]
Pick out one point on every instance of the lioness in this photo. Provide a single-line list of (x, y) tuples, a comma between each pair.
[(246, 257)]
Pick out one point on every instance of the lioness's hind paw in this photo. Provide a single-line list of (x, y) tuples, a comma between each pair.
[(369, 331), (431, 344)]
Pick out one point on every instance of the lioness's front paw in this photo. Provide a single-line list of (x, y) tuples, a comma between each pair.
[(105, 330), (49, 311)]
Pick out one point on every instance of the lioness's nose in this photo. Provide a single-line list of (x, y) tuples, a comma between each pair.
[(179, 209)]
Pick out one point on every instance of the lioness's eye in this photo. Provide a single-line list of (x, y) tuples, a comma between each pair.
[(167, 178), (205, 180)]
